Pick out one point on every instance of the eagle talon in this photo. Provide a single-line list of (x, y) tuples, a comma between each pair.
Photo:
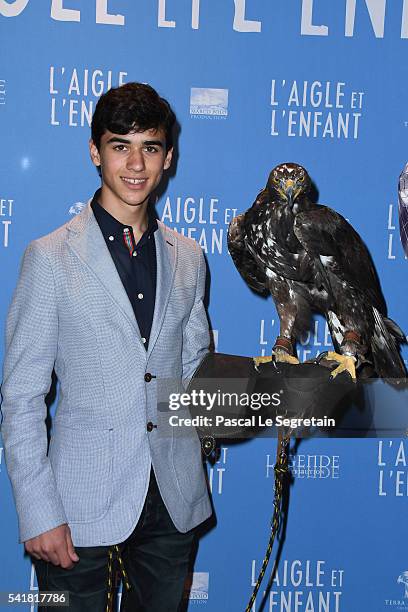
[(276, 357), (282, 357), (321, 356), (347, 364), (262, 359)]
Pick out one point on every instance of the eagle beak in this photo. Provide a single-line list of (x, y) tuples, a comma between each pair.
[(289, 185)]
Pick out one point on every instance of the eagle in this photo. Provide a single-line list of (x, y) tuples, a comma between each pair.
[(312, 260), (403, 207)]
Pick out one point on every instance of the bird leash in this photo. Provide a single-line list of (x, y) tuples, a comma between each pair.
[(111, 583), (280, 471), (337, 390)]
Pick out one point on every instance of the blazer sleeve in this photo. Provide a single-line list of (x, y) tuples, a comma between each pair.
[(196, 335), (31, 347)]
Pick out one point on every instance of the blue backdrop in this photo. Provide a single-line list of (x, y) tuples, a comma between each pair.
[(253, 84)]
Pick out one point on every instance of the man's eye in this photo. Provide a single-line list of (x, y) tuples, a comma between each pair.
[(151, 149), (119, 147)]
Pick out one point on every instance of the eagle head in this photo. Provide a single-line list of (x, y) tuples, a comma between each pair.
[(287, 182)]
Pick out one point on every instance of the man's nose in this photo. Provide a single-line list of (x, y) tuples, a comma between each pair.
[(135, 160)]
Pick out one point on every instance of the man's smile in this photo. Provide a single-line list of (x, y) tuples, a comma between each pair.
[(133, 181)]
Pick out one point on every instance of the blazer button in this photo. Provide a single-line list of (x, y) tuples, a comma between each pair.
[(148, 377), (149, 426)]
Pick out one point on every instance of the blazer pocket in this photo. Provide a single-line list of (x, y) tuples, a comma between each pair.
[(81, 460), (188, 467)]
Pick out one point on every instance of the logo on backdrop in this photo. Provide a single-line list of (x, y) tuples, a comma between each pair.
[(2, 92), (75, 91), (315, 467), (302, 585), (399, 602), (313, 342), (403, 578), (199, 587), (394, 247), (200, 218), (208, 103), (6, 214), (392, 472), (76, 208), (314, 109), (216, 473)]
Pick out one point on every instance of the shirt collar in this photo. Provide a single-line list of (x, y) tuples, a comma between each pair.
[(112, 227)]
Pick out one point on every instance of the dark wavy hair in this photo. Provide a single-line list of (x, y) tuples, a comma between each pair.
[(132, 107)]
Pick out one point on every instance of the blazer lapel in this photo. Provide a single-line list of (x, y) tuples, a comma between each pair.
[(88, 243), (166, 257)]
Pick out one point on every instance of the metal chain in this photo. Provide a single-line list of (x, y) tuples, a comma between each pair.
[(280, 470)]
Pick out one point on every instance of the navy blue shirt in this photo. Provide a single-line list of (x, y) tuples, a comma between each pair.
[(136, 263)]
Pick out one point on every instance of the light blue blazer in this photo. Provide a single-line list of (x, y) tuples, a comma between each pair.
[(71, 312)]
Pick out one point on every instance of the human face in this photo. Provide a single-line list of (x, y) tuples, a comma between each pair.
[(131, 166)]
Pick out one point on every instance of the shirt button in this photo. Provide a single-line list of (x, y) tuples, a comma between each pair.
[(149, 426), (111, 238), (140, 296), (143, 340), (148, 377)]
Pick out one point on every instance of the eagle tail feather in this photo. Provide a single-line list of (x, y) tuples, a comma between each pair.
[(387, 360), (395, 330)]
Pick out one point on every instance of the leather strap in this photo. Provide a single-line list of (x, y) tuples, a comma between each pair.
[(284, 343)]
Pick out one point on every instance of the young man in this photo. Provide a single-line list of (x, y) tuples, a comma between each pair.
[(113, 301)]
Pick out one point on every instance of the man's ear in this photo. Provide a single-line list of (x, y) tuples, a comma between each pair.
[(168, 158), (96, 159)]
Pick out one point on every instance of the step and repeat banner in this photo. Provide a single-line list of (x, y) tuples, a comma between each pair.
[(253, 83)]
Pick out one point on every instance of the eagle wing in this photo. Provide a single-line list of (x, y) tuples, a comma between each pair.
[(347, 265), (242, 258), (328, 237)]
